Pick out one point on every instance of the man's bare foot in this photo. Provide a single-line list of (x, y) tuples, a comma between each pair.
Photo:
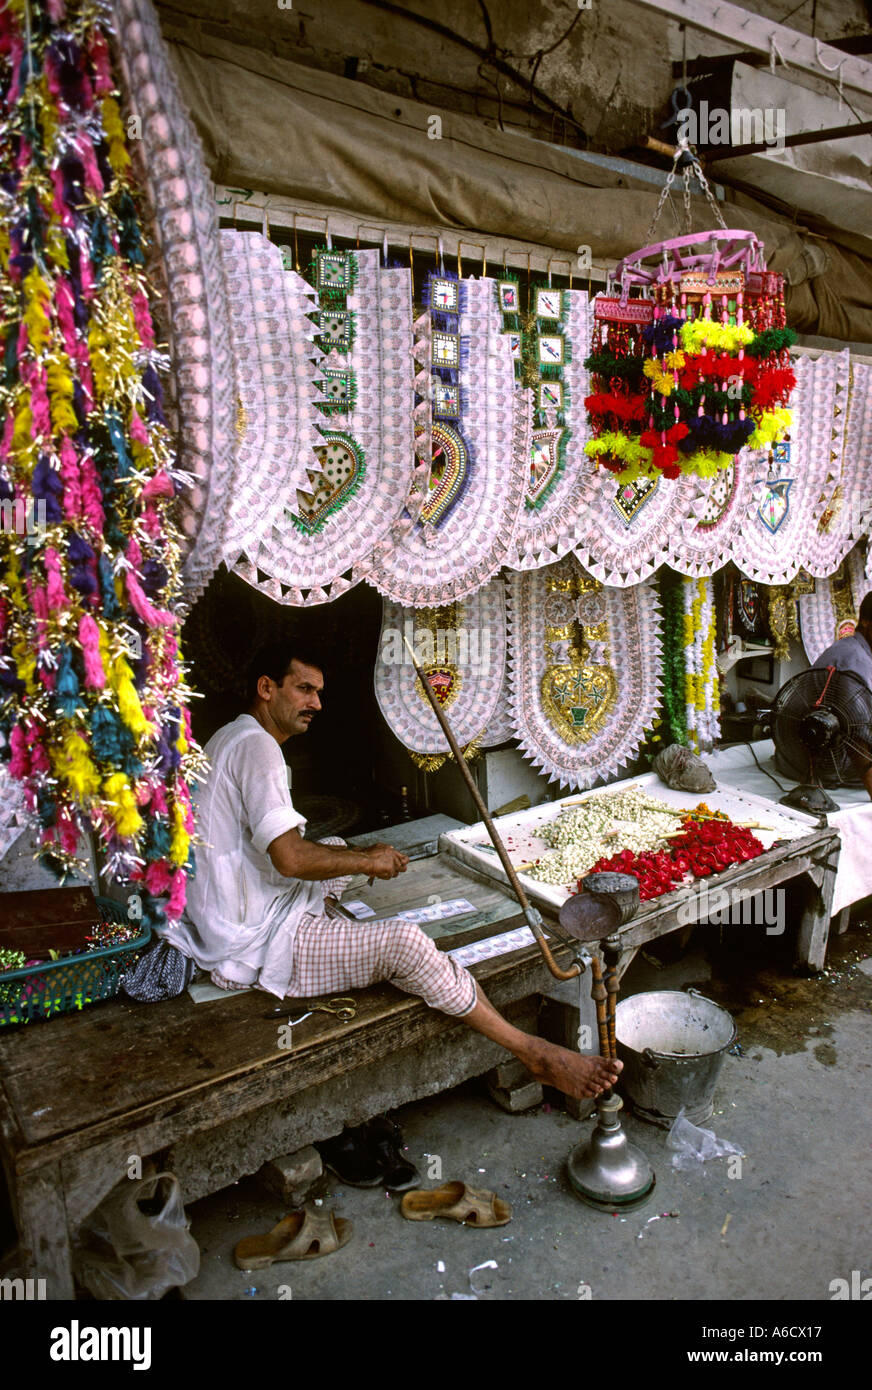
[(578, 1076)]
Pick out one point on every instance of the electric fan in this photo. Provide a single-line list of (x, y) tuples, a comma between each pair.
[(821, 724)]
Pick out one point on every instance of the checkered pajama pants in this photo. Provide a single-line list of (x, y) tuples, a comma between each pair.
[(332, 954)]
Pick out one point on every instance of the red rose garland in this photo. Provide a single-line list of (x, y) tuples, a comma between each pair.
[(705, 848)]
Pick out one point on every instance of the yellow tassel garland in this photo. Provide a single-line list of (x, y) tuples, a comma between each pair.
[(122, 804)]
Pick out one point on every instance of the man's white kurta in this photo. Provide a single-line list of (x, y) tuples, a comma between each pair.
[(242, 914)]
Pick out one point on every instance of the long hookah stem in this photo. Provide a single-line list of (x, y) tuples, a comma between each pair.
[(599, 995)]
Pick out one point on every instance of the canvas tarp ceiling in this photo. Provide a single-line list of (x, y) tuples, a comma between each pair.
[(275, 126)]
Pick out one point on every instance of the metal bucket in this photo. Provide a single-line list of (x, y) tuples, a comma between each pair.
[(672, 1045)]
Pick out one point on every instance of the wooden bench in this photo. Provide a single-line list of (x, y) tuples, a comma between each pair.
[(209, 1088)]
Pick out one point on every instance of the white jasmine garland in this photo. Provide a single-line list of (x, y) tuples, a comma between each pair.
[(600, 827)]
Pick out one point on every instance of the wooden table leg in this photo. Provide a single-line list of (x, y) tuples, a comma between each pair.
[(41, 1218), (841, 921), (814, 928)]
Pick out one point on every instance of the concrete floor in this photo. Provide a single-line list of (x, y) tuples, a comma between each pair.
[(796, 1102)]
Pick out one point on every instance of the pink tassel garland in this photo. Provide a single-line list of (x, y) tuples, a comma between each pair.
[(175, 904), (89, 636), (92, 496), (57, 598), (70, 477)]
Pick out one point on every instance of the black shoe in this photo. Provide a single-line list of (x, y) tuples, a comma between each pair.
[(352, 1158), (384, 1139)]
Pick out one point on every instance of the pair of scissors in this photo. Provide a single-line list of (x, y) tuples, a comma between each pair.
[(344, 1008)]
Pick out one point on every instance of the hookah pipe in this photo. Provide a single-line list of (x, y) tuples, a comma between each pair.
[(607, 1172), (532, 914)]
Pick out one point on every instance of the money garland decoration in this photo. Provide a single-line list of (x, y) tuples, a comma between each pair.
[(857, 454), (585, 671), (847, 468), (461, 647), (276, 360), (545, 353), (353, 513), (446, 556), (829, 612), (707, 538), (541, 351), (796, 483), (340, 459), (184, 266), (702, 684), (444, 299), (93, 695), (562, 478)]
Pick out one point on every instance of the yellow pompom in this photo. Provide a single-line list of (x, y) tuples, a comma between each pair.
[(100, 350), (660, 380), (772, 426), (699, 333), (60, 389), (21, 437), (25, 665)]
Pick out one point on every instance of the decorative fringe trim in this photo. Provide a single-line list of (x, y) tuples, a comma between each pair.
[(347, 491), (332, 295), (431, 762), (546, 492)]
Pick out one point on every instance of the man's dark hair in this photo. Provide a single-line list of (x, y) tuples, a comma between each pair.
[(866, 608), (274, 660)]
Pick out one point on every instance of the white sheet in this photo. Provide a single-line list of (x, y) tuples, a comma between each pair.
[(853, 820)]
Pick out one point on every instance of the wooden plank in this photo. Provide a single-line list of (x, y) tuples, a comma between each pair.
[(41, 1218), (232, 1146), (758, 33), (130, 1054), (386, 1020)]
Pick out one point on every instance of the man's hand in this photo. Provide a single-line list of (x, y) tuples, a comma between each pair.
[(385, 861)]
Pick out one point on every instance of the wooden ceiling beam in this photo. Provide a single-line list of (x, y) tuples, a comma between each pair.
[(756, 34)]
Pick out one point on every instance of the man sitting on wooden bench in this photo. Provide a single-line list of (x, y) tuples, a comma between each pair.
[(260, 900)]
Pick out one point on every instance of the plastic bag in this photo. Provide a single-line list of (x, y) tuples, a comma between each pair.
[(693, 1145), (123, 1252), (681, 769)]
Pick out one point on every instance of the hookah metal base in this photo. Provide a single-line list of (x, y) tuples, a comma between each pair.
[(608, 1171)]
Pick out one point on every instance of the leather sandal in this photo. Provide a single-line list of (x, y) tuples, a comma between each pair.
[(385, 1139), (304, 1235), (459, 1203), (352, 1158)]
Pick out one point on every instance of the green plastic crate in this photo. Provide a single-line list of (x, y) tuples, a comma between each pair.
[(73, 981)]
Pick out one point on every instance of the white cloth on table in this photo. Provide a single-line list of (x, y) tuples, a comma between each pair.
[(242, 915), (853, 820)]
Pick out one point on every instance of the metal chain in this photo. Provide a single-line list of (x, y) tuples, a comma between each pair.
[(704, 185), (683, 148), (664, 194)]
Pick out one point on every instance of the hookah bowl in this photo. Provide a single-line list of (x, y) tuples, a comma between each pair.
[(606, 1171)]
